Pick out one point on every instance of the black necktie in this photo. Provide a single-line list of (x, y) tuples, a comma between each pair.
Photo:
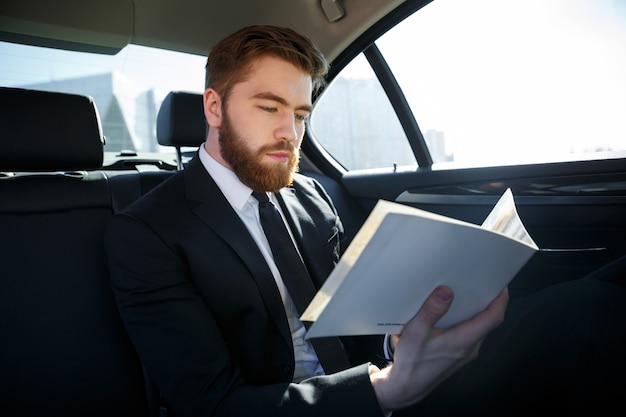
[(296, 278)]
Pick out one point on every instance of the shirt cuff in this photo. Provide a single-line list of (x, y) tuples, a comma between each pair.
[(388, 349)]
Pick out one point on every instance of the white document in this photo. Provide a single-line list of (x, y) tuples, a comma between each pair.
[(402, 253)]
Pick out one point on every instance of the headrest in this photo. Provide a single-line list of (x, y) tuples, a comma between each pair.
[(181, 120), (45, 131)]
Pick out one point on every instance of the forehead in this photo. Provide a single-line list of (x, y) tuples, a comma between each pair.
[(275, 75)]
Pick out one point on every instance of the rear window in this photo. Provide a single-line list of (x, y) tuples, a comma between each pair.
[(127, 88)]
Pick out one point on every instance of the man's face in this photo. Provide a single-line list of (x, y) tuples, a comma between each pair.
[(263, 124)]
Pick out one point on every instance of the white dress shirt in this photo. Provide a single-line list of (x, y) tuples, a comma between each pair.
[(246, 206)]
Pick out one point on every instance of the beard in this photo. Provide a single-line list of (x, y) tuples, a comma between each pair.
[(248, 164)]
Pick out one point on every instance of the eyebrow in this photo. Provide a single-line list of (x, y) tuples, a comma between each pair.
[(271, 96)]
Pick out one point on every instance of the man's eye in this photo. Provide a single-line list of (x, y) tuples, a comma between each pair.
[(269, 109), (301, 117)]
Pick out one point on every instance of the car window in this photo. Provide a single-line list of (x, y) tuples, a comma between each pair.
[(489, 82), (356, 123), (127, 88)]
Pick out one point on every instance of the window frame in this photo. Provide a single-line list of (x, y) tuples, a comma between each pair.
[(316, 158), (366, 44)]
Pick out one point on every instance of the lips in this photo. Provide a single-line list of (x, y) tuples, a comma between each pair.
[(281, 156)]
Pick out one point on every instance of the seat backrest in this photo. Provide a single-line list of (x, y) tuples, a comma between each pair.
[(64, 349), (181, 122)]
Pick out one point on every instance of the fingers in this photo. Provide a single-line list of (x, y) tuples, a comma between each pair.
[(426, 355), (497, 308), (436, 305), (488, 319), (501, 301)]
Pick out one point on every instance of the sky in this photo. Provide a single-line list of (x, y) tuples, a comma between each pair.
[(22, 65), (530, 75)]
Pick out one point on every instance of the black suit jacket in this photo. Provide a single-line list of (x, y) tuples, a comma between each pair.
[(202, 307)]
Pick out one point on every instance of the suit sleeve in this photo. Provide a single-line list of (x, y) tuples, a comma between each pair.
[(182, 348)]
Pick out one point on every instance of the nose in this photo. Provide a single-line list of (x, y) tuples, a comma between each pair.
[(289, 129)]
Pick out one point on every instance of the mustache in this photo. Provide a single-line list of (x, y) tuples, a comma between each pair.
[(280, 146)]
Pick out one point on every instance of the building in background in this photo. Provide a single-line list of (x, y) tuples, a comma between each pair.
[(128, 112)]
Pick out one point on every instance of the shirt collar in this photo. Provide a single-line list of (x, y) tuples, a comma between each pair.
[(233, 189)]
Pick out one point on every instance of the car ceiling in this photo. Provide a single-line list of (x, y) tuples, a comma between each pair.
[(192, 26)]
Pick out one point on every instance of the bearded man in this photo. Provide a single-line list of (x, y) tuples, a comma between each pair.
[(211, 303)]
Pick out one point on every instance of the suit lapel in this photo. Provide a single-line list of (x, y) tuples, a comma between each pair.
[(294, 210), (329, 350), (214, 210), (302, 224)]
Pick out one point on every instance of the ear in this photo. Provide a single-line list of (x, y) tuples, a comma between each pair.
[(213, 107)]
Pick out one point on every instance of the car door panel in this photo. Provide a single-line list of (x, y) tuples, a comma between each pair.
[(575, 212)]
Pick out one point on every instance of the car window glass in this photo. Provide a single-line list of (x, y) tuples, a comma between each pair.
[(354, 121), (127, 88), (494, 82)]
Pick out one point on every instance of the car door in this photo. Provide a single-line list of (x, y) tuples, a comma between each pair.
[(445, 104)]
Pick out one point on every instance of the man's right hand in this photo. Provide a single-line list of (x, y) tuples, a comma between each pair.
[(425, 355)]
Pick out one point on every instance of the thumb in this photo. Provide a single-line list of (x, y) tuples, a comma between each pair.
[(436, 305)]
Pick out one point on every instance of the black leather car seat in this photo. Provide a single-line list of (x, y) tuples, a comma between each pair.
[(181, 122), (64, 350)]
